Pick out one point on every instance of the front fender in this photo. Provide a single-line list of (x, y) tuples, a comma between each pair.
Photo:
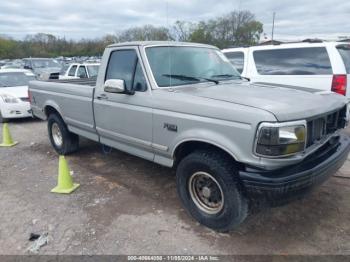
[(222, 141)]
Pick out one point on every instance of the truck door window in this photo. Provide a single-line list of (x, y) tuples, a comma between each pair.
[(72, 71), (121, 65), (139, 83), (236, 59), (82, 72)]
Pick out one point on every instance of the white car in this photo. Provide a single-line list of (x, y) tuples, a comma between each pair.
[(85, 70), (323, 65), (14, 100)]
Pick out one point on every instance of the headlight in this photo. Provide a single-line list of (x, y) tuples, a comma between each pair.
[(9, 98), (281, 139)]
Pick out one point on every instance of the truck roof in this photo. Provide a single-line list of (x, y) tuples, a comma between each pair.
[(160, 43), (85, 64), (286, 45)]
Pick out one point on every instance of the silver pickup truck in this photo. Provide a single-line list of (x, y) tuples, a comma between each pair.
[(183, 105)]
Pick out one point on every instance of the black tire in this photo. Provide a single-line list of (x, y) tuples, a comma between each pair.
[(70, 141), (3, 120), (222, 168)]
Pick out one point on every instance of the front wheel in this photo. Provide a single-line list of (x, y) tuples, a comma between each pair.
[(208, 187), (63, 141)]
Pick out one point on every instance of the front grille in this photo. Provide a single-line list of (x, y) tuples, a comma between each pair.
[(325, 125), (54, 76)]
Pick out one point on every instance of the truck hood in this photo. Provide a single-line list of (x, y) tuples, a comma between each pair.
[(285, 102), (16, 91), (46, 70)]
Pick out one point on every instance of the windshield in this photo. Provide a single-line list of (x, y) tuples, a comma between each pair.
[(181, 65), (64, 69), (15, 79), (42, 63), (93, 70)]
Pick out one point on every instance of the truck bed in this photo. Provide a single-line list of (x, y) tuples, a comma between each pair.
[(72, 98)]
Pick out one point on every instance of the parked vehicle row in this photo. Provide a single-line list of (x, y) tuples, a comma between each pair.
[(321, 66), (14, 81), (46, 68), (183, 105)]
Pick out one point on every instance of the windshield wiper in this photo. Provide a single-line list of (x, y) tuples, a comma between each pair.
[(191, 78), (229, 75), (226, 76), (246, 78)]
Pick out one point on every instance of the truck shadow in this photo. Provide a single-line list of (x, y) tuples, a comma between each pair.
[(299, 220), (23, 121), (116, 183)]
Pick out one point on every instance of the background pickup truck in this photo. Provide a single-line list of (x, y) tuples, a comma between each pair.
[(184, 105), (76, 71)]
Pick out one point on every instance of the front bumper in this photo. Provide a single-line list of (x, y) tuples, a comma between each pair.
[(282, 185), (16, 110)]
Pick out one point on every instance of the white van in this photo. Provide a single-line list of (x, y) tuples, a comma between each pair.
[(321, 65)]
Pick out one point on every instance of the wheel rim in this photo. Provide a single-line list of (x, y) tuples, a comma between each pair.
[(56, 134), (206, 192)]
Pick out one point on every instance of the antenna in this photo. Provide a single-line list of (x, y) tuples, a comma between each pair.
[(168, 36), (273, 26), (167, 19)]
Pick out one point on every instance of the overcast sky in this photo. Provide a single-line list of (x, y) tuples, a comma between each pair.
[(295, 19)]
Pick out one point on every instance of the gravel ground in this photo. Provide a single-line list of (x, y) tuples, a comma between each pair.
[(126, 205)]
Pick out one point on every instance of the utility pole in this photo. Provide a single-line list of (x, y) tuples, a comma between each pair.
[(273, 25)]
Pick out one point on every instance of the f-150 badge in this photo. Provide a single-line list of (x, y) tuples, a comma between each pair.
[(170, 127)]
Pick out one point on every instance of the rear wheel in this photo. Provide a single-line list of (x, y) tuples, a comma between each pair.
[(208, 187), (63, 141)]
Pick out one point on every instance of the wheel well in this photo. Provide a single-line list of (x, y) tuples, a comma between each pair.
[(188, 147), (51, 110)]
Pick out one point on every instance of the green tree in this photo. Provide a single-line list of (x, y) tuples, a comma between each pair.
[(234, 28), (144, 33)]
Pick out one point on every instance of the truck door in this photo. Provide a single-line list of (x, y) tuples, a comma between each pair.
[(81, 72), (124, 121)]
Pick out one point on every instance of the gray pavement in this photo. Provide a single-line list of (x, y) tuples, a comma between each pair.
[(126, 205)]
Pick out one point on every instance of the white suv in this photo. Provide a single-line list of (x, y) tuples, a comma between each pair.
[(322, 65)]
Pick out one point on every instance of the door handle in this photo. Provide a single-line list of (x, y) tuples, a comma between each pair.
[(102, 97)]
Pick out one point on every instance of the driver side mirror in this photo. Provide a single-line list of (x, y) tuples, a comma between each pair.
[(116, 86)]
